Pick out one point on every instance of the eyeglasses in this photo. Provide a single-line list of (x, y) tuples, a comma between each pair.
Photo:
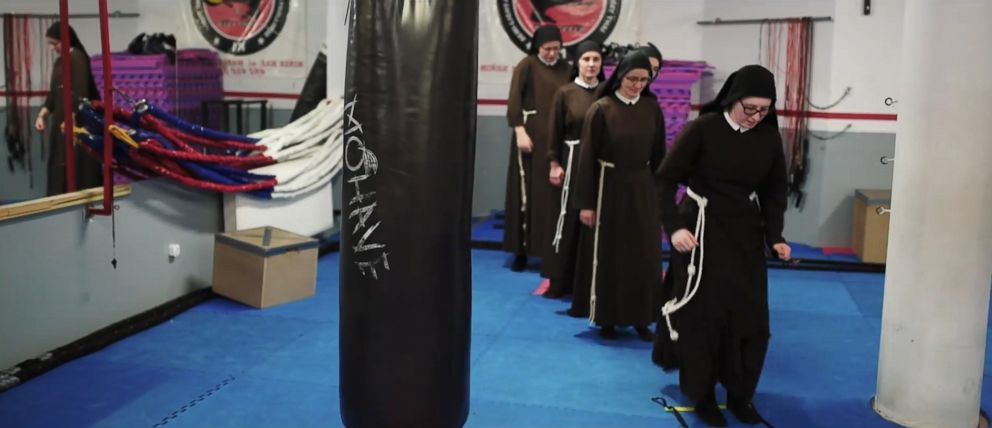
[(750, 110), (636, 80)]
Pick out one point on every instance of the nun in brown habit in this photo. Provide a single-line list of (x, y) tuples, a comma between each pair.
[(568, 111), (87, 170), (622, 145), (529, 198), (715, 318)]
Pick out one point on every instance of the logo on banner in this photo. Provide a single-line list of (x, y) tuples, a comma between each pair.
[(579, 20), (240, 27)]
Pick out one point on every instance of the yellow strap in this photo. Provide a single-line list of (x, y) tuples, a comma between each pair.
[(76, 131), (122, 135), (684, 409)]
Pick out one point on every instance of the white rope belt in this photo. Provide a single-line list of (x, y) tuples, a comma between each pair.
[(691, 286), (528, 114), (523, 182), (603, 165), (564, 194)]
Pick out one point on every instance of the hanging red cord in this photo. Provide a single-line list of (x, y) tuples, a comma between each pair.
[(28, 66), (175, 135), (797, 88), (180, 138), (240, 161), (193, 182)]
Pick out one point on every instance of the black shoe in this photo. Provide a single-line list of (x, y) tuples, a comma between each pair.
[(552, 292), (644, 333), (519, 263), (608, 332), (576, 314), (708, 412), (746, 413)]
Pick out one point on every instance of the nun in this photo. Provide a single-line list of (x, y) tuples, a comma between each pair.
[(622, 146), (654, 55), (87, 170), (529, 197), (568, 110), (716, 307)]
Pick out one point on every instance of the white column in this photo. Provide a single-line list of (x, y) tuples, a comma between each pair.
[(937, 282), (337, 46)]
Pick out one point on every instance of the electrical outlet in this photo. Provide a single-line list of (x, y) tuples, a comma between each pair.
[(173, 250)]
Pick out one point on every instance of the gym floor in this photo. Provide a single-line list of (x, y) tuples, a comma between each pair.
[(222, 364)]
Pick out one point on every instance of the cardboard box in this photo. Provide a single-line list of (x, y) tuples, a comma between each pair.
[(870, 231), (264, 266)]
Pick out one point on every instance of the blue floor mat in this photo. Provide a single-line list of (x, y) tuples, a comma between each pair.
[(223, 364)]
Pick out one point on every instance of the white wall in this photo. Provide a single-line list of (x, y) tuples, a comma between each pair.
[(852, 50), (57, 285), (671, 25), (729, 47), (867, 56)]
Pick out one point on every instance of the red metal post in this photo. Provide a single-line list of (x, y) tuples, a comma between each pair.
[(67, 109), (108, 113)]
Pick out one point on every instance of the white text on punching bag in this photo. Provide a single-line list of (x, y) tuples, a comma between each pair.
[(363, 163)]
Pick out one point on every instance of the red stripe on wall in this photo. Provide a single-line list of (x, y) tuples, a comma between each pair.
[(811, 114), (241, 94), (830, 115), (848, 116), (491, 102), (24, 93), (502, 102), (237, 94)]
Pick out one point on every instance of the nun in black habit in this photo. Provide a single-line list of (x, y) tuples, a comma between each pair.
[(715, 326), (622, 145), (529, 199), (654, 55)]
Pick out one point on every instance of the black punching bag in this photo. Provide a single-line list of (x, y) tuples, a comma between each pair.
[(314, 88), (409, 131)]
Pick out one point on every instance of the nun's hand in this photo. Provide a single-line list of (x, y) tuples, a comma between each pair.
[(39, 122), (783, 250), (557, 174), (588, 217), (524, 144), (683, 241)]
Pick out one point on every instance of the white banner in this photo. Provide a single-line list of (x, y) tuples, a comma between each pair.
[(506, 26), (255, 38)]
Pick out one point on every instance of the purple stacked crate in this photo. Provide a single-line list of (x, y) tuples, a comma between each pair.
[(674, 89), (202, 77), (178, 88)]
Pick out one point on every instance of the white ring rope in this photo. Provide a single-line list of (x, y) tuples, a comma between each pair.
[(691, 287)]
